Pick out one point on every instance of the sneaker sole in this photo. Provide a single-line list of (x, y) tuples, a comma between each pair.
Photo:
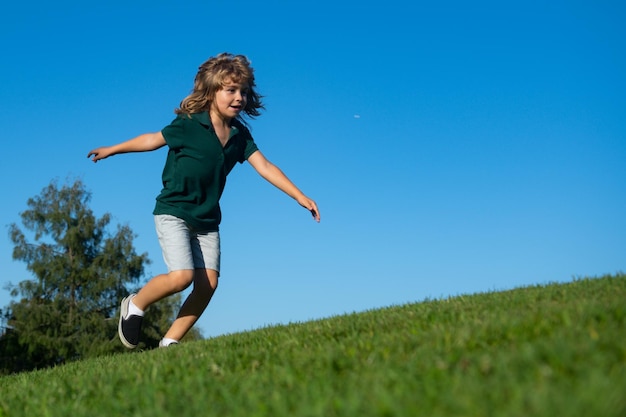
[(123, 313)]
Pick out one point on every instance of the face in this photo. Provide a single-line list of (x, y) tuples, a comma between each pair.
[(230, 100)]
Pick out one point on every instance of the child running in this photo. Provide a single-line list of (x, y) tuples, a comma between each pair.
[(206, 139)]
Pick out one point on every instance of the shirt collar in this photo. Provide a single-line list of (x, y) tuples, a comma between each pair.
[(204, 119)]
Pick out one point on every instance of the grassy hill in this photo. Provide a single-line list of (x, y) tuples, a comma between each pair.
[(550, 350)]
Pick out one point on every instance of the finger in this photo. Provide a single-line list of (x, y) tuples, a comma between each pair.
[(315, 212)]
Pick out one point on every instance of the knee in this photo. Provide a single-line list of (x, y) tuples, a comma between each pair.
[(205, 283), (181, 279)]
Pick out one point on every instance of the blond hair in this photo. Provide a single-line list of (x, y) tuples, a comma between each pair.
[(213, 75)]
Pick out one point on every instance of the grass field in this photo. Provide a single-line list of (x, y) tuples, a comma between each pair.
[(549, 350)]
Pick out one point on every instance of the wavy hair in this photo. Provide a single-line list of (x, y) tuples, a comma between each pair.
[(213, 75)]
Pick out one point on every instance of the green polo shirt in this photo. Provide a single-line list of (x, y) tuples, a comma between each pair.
[(195, 171)]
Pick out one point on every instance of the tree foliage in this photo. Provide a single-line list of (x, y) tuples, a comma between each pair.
[(81, 272)]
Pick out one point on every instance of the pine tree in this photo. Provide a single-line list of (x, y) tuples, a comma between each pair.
[(81, 271)]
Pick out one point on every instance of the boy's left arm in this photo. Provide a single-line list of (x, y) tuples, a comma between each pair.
[(276, 177)]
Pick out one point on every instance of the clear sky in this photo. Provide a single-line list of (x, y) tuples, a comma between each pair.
[(453, 147)]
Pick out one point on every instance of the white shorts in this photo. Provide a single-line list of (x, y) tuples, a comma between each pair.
[(186, 248)]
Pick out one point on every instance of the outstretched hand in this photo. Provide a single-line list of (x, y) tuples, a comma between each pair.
[(100, 153), (310, 205)]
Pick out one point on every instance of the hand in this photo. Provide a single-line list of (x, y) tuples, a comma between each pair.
[(310, 205), (100, 153)]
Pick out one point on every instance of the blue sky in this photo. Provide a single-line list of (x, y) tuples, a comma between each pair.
[(452, 148)]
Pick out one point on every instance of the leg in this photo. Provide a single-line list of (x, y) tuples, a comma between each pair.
[(176, 243), (156, 289), (204, 286), (162, 286)]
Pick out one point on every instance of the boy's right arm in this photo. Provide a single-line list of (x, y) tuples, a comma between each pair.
[(142, 143)]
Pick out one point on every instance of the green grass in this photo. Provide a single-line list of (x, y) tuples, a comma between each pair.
[(551, 350)]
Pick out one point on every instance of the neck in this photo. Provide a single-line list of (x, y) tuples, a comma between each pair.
[(218, 120)]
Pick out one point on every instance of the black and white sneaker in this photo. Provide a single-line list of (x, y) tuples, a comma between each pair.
[(129, 327)]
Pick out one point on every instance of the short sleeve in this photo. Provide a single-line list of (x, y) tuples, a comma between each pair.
[(250, 145), (250, 148), (174, 133)]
